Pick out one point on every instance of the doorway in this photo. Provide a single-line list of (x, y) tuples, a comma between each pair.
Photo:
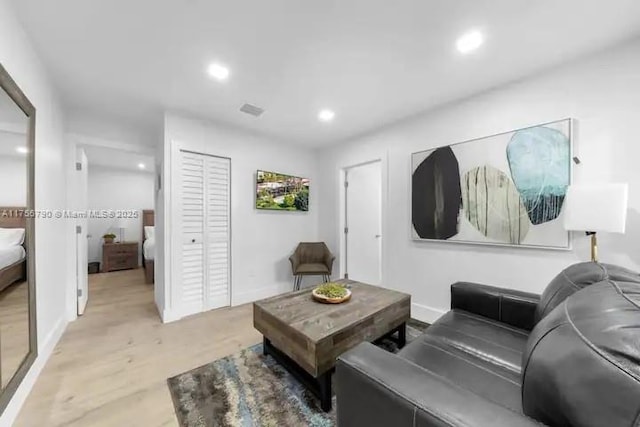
[(113, 209), (362, 234)]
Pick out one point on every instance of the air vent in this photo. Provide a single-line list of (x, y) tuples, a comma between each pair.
[(252, 109)]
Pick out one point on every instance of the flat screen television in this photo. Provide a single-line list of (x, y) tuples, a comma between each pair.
[(280, 192)]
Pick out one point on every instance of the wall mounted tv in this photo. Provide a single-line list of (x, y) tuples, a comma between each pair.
[(277, 191)]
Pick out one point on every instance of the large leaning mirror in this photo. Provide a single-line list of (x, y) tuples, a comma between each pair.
[(18, 343)]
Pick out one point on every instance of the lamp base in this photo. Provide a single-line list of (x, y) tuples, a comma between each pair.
[(594, 246)]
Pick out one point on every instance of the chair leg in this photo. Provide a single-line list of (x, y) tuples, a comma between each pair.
[(295, 282)]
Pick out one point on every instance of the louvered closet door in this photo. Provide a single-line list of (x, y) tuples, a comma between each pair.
[(192, 167), (218, 171), (205, 215)]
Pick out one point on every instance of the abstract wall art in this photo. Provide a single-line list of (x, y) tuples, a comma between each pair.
[(436, 204), (505, 189)]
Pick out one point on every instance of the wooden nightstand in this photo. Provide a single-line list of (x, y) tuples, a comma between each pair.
[(119, 256)]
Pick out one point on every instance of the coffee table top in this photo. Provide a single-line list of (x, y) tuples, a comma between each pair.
[(317, 321)]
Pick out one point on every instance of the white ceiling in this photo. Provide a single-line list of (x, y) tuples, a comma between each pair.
[(118, 159), (372, 61)]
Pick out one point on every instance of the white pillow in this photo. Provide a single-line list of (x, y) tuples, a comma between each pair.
[(10, 237), (149, 232)]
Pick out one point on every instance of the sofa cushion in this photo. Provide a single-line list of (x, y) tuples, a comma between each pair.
[(476, 353), (574, 278)]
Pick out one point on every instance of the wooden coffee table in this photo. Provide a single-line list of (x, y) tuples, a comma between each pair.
[(306, 336)]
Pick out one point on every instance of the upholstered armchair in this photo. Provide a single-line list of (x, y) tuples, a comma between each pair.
[(311, 259)]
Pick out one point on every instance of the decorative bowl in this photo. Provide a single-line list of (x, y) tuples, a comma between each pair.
[(326, 300)]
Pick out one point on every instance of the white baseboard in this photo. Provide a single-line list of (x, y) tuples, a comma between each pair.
[(236, 299), (169, 316), (425, 313), (258, 294), (45, 350)]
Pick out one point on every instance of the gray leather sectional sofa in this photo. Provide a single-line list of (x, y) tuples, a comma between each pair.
[(500, 357)]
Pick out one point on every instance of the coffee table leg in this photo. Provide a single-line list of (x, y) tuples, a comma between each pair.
[(320, 386), (324, 385), (265, 345), (402, 335)]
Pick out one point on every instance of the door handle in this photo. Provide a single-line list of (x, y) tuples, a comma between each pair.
[(378, 236), (193, 240)]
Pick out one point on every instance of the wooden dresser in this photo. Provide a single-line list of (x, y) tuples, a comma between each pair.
[(119, 256)]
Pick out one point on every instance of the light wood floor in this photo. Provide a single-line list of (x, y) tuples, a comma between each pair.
[(14, 329), (111, 365)]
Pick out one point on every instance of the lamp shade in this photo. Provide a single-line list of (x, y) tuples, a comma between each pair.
[(120, 223), (599, 207)]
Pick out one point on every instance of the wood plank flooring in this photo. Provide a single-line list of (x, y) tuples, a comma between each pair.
[(111, 365), (14, 329)]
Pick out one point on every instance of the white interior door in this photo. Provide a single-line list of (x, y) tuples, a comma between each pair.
[(363, 222), (192, 212), (218, 172), (205, 232), (82, 247)]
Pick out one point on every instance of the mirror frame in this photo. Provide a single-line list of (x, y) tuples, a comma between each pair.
[(13, 90)]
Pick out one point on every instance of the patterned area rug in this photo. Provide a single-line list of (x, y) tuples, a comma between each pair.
[(250, 389)]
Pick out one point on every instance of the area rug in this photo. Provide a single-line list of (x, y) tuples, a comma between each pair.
[(250, 389)]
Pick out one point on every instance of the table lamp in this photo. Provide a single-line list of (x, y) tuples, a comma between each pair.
[(596, 208), (120, 225)]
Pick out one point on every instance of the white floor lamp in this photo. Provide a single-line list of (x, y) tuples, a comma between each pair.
[(596, 208)]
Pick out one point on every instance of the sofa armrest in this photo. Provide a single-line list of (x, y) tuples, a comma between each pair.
[(378, 388), (510, 306)]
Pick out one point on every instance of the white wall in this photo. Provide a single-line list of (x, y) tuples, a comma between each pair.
[(262, 241), (117, 189), (602, 93), (53, 258), (161, 268), (13, 181)]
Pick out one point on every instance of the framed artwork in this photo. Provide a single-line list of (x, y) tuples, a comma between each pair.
[(276, 191), (504, 189)]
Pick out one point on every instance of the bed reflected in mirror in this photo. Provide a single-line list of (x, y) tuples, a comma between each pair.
[(14, 292)]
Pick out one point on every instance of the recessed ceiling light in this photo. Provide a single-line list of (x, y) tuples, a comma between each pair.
[(470, 41), (22, 150), (218, 71), (326, 115), (141, 166)]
